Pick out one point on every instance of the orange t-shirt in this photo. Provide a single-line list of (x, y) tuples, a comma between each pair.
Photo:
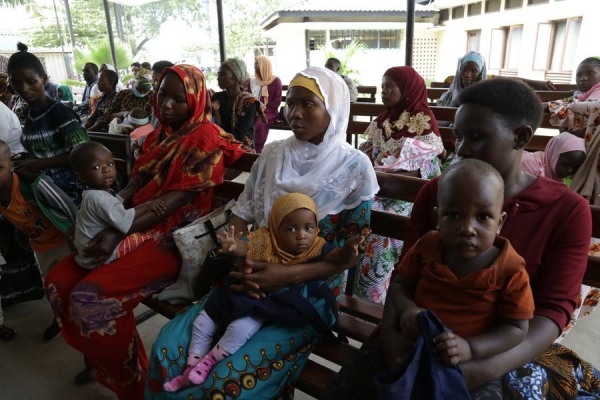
[(470, 305), (27, 217)]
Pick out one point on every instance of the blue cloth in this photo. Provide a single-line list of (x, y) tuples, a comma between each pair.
[(475, 57), (421, 375)]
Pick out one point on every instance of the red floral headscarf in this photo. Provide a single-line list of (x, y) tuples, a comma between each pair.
[(418, 118), (191, 159)]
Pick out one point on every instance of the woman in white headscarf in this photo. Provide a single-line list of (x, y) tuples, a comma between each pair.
[(318, 162)]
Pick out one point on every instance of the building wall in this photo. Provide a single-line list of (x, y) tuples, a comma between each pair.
[(290, 54), (453, 40)]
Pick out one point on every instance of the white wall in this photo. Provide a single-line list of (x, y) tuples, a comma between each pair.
[(453, 41)]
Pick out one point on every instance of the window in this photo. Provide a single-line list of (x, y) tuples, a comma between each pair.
[(316, 39), (513, 4), (492, 6), (497, 48), (542, 47), (458, 12), (513, 48), (444, 15), (474, 9), (564, 42), (386, 39), (532, 2), (473, 38)]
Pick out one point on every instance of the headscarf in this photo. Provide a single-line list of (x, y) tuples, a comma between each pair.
[(239, 69), (5, 94), (66, 93), (264, 243), (266, 76), (193, 158), (333, 173), (451, 96), (411, 116), (143, 79), (543, 163)]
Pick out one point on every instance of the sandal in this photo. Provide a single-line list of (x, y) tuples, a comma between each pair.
[(6, 333)]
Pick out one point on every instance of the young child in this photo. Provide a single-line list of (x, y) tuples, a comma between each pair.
[(48, 243), (291, 238), (101, 207), (139, 120), (471, 278)]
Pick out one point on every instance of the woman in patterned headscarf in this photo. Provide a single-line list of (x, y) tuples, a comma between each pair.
[(179, 163), (403, 139), (139, 96), (236, 110), (5, 94)]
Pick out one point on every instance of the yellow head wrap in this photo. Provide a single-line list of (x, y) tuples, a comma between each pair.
[(263, 244), (308, 83)]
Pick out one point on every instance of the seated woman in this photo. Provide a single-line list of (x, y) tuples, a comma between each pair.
[(266, 87), (64, 95), (107, 84), (471, 69), (548, 225), (138, 96), (563, 156), (96, 93), (235, 110), (179, 164), (5, 94), (318, 162), (404, 139), (51, 129)]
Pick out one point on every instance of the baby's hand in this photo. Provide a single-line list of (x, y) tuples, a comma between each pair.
[(355, 241), (157, 206), (451, 348), (409, 323), (228, 239), (381, 156)]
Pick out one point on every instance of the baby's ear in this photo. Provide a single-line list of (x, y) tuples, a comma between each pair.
[(501, 224)]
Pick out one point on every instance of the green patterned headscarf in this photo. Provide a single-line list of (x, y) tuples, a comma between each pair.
[(143, 79), (239, 69)]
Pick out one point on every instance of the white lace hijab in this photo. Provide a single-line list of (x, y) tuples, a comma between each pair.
[(333, 173)]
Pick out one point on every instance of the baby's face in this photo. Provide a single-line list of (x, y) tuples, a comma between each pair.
[(470, 216), (298, 231)]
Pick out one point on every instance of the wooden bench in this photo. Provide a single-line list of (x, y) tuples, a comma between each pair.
[(435, 93), (564, 87), (358, 318)]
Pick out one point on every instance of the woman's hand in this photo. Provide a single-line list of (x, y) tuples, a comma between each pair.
[(381, 156), (103, 244), (264, 277), (33, 166), (394, 346)]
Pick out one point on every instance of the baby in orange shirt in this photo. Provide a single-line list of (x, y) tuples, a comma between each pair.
[(470, 277)]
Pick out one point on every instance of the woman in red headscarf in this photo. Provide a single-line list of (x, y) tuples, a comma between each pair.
[(180, 163), (403, 139)]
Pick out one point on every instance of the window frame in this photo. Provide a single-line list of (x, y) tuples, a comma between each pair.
[(477, 33), (508, 44), (564, 45), (549, 46), (504, 31)]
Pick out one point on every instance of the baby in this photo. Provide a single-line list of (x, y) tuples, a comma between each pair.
[(101, 207), (471, 278), (291, 238)]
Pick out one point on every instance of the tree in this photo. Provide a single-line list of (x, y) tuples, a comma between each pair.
[(99, 53), (140, 23), (345, 55), (12, 3), (243, 31)]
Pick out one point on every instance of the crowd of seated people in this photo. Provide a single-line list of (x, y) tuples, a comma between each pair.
[(532, 238)]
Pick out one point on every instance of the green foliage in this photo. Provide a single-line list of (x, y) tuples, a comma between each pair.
[(99, 53), (12, 3), (72, 82), (345, 55), (242, 29), (140, 24)]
